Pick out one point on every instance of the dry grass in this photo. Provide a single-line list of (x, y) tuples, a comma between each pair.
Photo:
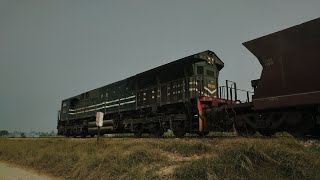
[(171, 158)]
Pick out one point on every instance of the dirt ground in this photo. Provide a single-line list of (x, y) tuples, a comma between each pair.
[(12, 172)]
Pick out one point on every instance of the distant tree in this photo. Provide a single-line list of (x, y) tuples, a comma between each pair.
[(52, 133), (43, 134), (4, 133), (22, 135)]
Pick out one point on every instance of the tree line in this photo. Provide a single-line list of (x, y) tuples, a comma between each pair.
[(5, 133)]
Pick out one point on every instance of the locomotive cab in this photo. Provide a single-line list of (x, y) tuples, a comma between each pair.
[(204, 81)]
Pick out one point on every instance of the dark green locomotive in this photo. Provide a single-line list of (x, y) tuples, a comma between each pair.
[(170, 96)]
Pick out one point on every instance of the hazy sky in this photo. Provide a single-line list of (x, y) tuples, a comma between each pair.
[(52, 50)]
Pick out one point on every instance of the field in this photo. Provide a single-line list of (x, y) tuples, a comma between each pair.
[(280, 157)]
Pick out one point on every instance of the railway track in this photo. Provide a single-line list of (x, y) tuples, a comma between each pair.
[(119, 136)]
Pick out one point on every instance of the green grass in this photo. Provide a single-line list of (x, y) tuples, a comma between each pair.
[(282, 157)]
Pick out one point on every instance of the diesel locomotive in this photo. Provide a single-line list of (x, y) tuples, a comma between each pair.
[(185, 95), (171, 96)]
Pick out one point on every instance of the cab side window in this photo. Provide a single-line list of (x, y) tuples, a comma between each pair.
[(200, 70), (210, 73)]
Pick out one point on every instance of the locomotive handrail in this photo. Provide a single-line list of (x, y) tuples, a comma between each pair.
[(240, 90), (226, 92)]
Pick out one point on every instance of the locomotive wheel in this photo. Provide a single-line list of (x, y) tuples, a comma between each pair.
[(245, 130), (242, 128), (157, 131), (137, 132), (304, 125), (67, 135), (92, 135), (202, 134), (83, 135), (267, 133), (179, 132)]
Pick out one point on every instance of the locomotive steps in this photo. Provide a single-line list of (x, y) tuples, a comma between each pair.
[(280, 157)]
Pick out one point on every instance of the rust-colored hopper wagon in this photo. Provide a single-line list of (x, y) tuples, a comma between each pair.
[(287, 95)]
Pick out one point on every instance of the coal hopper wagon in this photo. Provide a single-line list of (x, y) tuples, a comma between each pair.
[(287, 95)]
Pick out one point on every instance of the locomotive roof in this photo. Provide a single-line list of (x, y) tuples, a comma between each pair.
[(301, 38), (208, 56)]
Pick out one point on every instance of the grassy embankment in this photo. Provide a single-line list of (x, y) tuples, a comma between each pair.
[(130, 158)]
